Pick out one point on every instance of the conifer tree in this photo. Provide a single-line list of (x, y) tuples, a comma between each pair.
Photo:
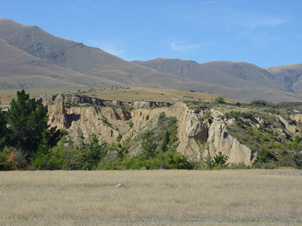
[(3, 129), (28, 125)]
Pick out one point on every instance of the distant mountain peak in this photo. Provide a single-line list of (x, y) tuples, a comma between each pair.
[(5, 22)]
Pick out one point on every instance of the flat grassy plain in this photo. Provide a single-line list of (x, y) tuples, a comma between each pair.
[(118, 93), (222, 197)]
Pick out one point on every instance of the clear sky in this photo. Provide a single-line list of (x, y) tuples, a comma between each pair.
[(263, 32)]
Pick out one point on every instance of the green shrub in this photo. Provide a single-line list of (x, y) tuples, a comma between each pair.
[(94, 153), (105, 121), (208, 162), (298, 159), (296, 144), (265, 160), (15, 159), (148, 144), (178, 161), (4, 154), (220, 100), (218, 162), (130, 123), (3, 163), (261, 103)]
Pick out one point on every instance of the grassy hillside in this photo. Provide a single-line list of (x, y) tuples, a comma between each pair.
[(248, 72), (197, 72), (22, 70), (122, 93), (290, 75)]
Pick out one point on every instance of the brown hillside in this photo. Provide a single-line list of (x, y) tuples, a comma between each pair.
[(248, 72), (197, 72), (21, 70), (290, 74)]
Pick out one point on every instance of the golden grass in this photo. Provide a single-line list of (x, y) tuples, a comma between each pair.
[(119, 93), (149, 94), (7, 95), (228, 197)]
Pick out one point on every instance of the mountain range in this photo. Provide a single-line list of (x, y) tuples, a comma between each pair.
[(32, 58)]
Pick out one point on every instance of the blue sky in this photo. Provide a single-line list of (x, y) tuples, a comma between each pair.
[(263, 32)]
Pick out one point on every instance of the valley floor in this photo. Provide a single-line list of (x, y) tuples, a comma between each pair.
[(222, 197)]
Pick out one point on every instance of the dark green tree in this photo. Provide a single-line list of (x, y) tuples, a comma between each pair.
[(27, 126), (166, 141), (220, 160), (298, 159), (3, 129), (95, 153), (148, 145)]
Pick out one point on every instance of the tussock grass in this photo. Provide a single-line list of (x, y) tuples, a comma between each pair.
[(227, 197)]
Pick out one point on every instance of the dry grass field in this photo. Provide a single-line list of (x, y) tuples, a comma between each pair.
[(119, 93), (225, 197)]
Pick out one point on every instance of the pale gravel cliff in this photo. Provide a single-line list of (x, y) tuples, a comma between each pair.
[(198, 136)]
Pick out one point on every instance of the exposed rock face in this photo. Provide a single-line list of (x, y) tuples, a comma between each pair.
[(198, 136), (57, 113), (289, 127), (220, 141), (192, 133), (90, 120), (297, 117), (82, 122), (76, 100)]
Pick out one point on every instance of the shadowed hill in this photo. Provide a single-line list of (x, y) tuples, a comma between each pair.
[(225, 73), (197, 72), (21, 70), (249, 72), (290, 75)]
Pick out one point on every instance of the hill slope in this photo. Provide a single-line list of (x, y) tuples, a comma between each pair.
[(197, 72), (225, 73), (21, 70), (33, 58), (248, 72), (83, 59), (290, 75)]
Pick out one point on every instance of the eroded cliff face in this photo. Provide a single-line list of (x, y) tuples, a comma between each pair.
[(220, 141), (107, 123), (191, 131), (198, 135)]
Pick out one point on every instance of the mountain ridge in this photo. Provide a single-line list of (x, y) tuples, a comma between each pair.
[(75, 64)]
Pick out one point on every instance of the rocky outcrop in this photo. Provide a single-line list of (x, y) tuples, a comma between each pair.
[(77, 100), (296, 117), (191, 132), (92, 120), (107, 123), (57, 113), (200, 133), (194, 133), (289, 127), (220, 141)]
